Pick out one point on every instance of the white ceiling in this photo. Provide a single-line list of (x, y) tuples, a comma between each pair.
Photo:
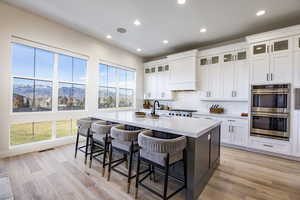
[(165, 19)]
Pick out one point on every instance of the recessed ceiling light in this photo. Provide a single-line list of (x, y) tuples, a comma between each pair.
[(260, 12), (138, 49), (181, 2), (165, 41), (203, 30), (137, 22), (108, 37)]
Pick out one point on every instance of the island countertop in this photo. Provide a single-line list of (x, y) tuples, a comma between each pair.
[(187, 126)]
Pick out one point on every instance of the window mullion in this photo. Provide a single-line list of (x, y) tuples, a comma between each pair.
[(55, 84)]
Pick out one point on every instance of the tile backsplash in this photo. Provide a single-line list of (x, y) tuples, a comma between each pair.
[(191, 100)]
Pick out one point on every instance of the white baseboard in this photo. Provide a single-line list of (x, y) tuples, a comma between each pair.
[(262, 152), (37, 146)]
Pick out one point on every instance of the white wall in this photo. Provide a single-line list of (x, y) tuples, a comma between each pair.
[(17, 22)]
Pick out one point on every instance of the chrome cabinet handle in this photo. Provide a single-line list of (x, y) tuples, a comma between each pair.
[(268, 49), (267, 145), (267, 76), (271, 76)]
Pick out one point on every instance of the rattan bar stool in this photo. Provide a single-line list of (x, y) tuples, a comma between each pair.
[(161, 153)]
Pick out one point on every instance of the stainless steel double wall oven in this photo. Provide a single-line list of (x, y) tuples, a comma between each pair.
[(270, 111)]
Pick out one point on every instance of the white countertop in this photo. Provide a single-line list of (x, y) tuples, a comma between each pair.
[(187, 126)]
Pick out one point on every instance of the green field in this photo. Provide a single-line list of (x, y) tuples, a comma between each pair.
[(33, 132)]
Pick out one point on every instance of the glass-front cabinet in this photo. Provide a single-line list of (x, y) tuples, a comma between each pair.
[(272, 61)]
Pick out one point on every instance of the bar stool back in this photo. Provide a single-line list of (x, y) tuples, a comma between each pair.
[(84, 129), (162, 153), (100, 139), (124, 140)]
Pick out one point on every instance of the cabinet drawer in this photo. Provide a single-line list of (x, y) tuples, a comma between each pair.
[(282, 148)]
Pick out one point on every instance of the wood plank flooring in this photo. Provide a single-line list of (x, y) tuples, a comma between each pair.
[(55, 174)]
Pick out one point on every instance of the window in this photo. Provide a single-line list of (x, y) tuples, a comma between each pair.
[(116, 87), (30, 132), (37, 76), (66, 128), (72, 80), (32, 71)]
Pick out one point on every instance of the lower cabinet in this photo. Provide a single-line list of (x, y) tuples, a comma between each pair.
[(235, 131), (270, 145), (296, 134)]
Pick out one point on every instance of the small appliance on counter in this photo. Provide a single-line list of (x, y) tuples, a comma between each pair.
[(216, 109)]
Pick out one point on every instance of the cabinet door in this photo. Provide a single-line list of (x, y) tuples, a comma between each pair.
[(225, 135), (147, 85), (281, 61), (241, 84), (260, 70), (214, 81), (228, 75), (297, 68), (239, 135), (297, 133), (203, 81), (152, 85)]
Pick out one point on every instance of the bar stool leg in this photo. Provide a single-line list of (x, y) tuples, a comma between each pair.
[(166, 178), (87, 146), (130, 168), (92, 148), (126, 160), (109, 161), (137, 175), (104, 157), (76, 145)]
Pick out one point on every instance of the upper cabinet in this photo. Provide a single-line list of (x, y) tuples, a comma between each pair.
[(209, 77), (272, 56), (183, 71), (297, 61), (224, 76), (156, 81)]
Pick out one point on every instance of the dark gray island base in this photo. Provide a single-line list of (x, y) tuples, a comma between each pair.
[(203, 150), (203, 157)]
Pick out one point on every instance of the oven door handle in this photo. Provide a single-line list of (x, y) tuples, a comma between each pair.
[(277, 115)]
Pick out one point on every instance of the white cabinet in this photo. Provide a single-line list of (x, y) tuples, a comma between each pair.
[(272, 61), (235, 73), (224, 76), (270, 145), (235, 132), (296, 134), (183, 71), (209, 77), (156, 81), (297, 61), (150, 83)]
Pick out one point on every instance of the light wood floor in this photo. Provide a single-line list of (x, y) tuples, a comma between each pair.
[(56, 174)]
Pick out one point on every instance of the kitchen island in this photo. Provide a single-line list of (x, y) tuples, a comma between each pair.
[(203, 143)]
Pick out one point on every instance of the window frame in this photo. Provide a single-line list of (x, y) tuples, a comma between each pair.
[(118, 87), (55, 78)]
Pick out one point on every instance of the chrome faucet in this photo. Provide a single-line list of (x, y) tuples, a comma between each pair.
[(153, 109)]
